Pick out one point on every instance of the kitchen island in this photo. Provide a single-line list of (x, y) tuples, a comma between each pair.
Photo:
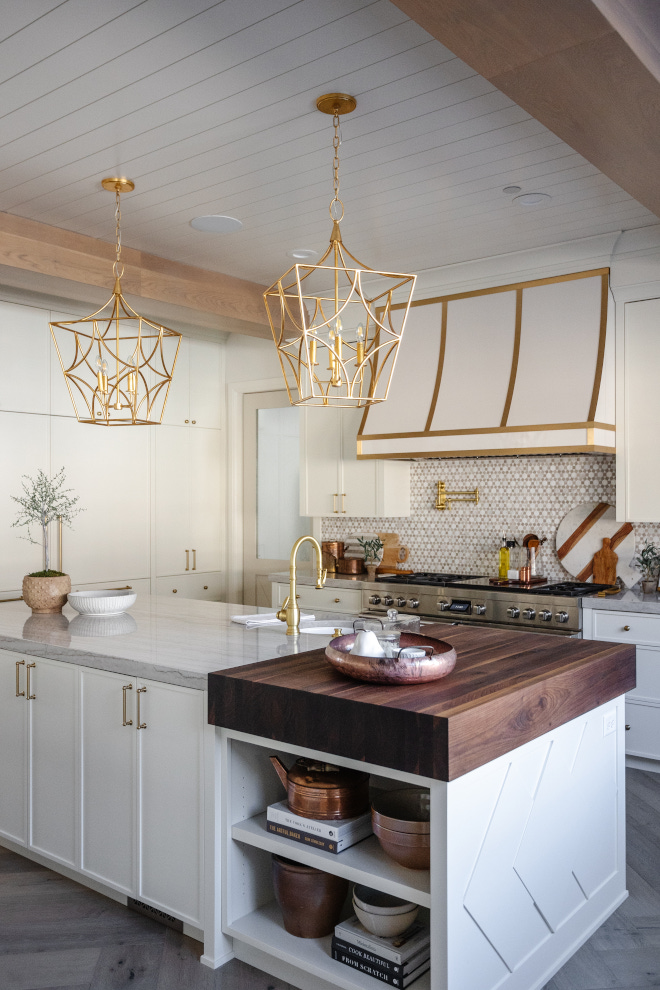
[(521, 749)]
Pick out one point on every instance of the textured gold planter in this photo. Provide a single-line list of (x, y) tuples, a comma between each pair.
[(46, 594)]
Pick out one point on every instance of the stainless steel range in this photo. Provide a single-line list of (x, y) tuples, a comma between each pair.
[(550, 608)]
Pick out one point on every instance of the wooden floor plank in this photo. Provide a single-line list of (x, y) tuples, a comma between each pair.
[(135, 966), (39, 970)]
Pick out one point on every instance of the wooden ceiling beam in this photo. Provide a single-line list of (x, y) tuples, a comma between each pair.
[(562, 62), (61, 258)]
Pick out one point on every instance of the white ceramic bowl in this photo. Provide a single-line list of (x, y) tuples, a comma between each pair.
[(376, 902), (102, 602), (385, 925)]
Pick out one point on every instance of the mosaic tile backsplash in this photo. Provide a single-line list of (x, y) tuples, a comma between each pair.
[(517, 495)]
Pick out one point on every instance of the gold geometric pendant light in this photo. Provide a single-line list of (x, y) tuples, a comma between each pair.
[(117, 365), (336, 333)]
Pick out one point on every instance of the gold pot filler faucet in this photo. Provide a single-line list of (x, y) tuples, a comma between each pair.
[(290, 613)]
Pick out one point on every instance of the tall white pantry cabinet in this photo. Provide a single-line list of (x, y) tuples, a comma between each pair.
[(152, 496)]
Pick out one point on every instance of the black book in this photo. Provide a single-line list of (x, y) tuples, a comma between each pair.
[(378, 973), (371, 959)]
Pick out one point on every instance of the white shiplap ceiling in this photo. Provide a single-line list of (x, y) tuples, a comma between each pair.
[(210, 108)]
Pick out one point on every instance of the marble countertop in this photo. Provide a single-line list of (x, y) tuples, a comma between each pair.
[(630, 600), (332, 580), (179, 642)]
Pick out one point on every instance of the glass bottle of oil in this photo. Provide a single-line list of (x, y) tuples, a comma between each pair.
[(503, 570)]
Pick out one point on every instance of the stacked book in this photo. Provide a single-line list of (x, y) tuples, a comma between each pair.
[(399, 960), (331, 836)]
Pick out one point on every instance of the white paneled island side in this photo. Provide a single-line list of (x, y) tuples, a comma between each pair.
[(118, 772)]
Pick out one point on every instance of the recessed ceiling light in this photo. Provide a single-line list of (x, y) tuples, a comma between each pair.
[(511, 189), (216, 224), (302, 254), (532, 199)]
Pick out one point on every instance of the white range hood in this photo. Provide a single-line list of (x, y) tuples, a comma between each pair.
[(525, 368)]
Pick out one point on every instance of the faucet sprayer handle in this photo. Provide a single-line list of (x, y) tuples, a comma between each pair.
[(281, 615)]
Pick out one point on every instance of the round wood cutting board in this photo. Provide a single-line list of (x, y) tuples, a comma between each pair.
[(580, 534)]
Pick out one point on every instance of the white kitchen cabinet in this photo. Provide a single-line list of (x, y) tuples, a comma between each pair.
[(14, 738), (641, 629), (108, 469), (54, 747), (25, 367), (188, 500), (638, 463), (206, 587), (24, 448), (108, 778), (170, 788), (321, 600), (332, 479), (195, 396)]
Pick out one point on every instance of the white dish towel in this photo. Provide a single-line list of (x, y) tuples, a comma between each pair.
[(265, 619)]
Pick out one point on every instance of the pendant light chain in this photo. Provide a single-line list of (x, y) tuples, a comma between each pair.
[(117, 267), (336, 206)]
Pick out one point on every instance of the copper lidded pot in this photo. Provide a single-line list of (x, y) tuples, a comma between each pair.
[(323, 791)]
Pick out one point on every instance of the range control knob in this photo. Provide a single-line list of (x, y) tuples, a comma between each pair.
[(545, 615), (443, 604), (374, 600), (413, 602), (388, 600), (513, 612), (401, 603), (561, 616), (529, 613), (479, 609)]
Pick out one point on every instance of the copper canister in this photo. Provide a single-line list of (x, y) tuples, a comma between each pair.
[(323, 791)]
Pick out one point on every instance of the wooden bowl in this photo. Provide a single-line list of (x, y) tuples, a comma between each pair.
[(383, 670), (411, 849), (405, 810)]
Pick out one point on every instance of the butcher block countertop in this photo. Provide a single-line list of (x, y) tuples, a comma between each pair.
[(507, 688)]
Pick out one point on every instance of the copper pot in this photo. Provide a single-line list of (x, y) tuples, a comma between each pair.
[(323, 791), (310, 900)]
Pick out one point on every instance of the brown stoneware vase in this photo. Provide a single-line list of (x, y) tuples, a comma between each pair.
[(310, 900), (46, 594)]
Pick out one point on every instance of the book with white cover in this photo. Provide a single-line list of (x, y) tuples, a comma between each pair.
[(359, 826)]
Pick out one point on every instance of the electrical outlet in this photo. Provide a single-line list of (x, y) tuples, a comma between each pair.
[(609, 722)]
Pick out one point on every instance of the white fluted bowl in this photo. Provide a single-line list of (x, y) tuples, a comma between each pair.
[(102, 602)]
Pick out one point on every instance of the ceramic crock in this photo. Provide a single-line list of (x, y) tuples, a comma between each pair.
[(46, 595), (310, 900)]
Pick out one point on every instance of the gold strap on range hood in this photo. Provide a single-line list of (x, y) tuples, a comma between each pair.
[(543, 358)]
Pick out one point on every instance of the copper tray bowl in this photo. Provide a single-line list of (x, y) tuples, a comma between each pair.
[(439, 662)]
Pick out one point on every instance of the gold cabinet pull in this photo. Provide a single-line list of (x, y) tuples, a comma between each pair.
[(335, 496), (30, 697), (343, 502), (19, 694), (125, 688), (626, 628), (194, 567), (187, 560), (140, 725)]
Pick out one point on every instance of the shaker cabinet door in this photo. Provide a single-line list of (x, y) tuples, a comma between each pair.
[(170, 789), (14, 747), (54, 759), (108, 799)]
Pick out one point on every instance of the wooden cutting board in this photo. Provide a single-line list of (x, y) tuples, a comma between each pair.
[(580, 535)]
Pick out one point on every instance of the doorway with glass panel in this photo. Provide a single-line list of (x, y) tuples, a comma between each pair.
[(271, 490)]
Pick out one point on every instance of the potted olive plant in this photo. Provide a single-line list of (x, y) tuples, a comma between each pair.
[(648, 561), (43, 501), (372, 554)]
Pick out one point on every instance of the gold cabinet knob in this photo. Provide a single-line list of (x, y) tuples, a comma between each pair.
[(194, 421), (626, 628), (206, 587), (174, 591), (337, 600), (186, 420), (627, 728)]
